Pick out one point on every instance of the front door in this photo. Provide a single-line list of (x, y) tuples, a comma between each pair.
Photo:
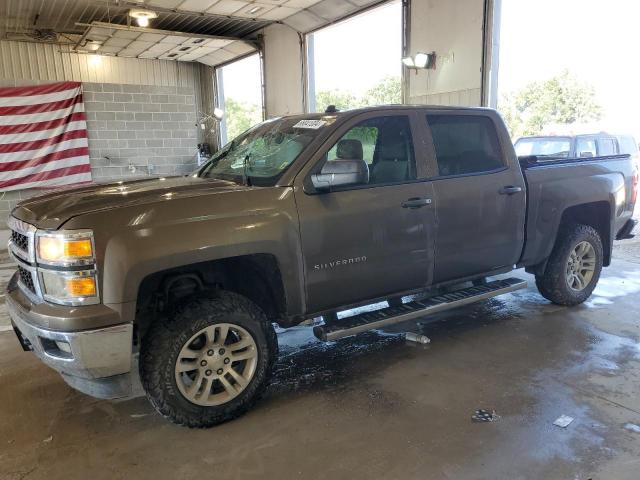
[(369, 240), (479, 199)]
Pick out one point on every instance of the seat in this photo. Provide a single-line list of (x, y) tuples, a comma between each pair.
[(392, 165), (349, 149)]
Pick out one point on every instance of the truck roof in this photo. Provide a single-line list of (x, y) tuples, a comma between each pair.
[(381, 108)]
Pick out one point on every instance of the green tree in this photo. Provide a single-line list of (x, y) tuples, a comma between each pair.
[(561, 99), (240, 117), (387, 91), (341, 99)]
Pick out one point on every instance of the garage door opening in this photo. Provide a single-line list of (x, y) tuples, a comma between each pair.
[(356, 62), (239, 95)]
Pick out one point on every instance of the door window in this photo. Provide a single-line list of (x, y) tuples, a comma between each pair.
[(384, 143), (586, 147), (465, 144)]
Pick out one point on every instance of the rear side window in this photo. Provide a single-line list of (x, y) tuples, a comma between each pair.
[(586, 147), (607, 146), (465, 144), (628, 145)]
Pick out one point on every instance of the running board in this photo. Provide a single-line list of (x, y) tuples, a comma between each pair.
[(416, 309)]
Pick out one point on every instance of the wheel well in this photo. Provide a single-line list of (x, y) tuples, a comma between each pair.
[(596, 215), (256, 277)]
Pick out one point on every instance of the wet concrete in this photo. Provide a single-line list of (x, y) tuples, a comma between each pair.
[(375, 406)]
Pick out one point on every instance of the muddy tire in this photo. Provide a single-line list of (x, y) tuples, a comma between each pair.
[(574, 266), (209, 361)]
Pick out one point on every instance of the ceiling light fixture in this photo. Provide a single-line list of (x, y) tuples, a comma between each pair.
[(421, 61), (142, 16), (254, 10)]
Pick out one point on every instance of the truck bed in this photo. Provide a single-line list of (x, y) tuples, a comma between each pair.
[(554, 186)]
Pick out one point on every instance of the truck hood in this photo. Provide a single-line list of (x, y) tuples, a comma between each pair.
[(51, 210)]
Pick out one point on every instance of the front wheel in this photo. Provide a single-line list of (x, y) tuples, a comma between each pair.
[(574, 266), (210, 361)]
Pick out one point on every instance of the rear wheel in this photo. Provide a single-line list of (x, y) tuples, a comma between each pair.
[(574, 266), (210, 361)]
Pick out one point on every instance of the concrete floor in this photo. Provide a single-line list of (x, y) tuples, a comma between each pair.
[(375, 406)]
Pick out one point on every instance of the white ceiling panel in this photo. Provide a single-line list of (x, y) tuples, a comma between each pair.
[(239, 48), (301, 3), (362, 3), (196, 53), (117, 42), (279, 13), (332, 9), (169, 45), (169, 56), (254, 10), (174, 39), (160, 48), (194, 41), (130, 34), (227, 7), (107, 50), (304, 21), (274, 2), (196, 5), (151, 37), (165, 3), (218, 43), (139, 45)]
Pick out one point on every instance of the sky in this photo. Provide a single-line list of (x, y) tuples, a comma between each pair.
[(596, 41), (242, 80), (356, 54)]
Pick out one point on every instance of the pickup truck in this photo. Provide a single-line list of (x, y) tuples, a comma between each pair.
[(297, 218), (576, 146)]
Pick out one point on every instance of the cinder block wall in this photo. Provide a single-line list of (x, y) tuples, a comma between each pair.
[(140, 130)]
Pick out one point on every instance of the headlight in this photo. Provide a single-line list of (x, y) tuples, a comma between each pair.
[(65, 248), (70, 287)]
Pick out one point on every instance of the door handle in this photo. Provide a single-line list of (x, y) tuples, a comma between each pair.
[(416, 202), (509, 190)]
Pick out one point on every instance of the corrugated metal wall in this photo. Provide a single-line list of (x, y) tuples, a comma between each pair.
[(20, 61)]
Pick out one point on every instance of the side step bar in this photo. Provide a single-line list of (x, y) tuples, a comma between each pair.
[(412, 310)]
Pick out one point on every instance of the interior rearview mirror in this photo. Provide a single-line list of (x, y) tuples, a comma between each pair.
[(339, 173)]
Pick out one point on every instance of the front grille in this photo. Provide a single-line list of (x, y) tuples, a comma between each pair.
[(26, 279), (20, 241)]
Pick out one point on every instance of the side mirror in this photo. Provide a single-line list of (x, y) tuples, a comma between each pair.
[(339, 173)]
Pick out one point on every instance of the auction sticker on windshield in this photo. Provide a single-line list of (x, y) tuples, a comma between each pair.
[(312, 124)]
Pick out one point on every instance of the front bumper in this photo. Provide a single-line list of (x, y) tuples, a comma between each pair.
[(96, 362)]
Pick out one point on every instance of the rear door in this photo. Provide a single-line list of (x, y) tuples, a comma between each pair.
[(365, 241), (479, 196)]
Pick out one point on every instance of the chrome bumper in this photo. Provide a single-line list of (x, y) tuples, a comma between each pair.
[(94, 361)]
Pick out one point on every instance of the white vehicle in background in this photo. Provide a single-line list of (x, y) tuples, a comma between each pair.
[(577, 146)]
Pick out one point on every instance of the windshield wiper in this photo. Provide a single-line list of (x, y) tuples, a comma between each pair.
[(246, 179)]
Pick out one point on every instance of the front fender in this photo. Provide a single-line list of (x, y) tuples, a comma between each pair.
[(132, 243)]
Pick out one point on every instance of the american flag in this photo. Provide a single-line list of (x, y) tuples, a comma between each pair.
[(43, 137)]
